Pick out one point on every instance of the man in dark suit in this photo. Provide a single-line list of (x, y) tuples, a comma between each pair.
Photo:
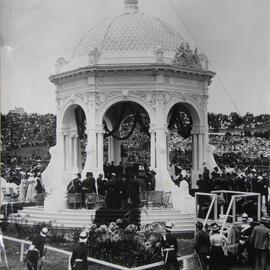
[(202, 245), (39, 244), (89, 183), (75, 185), (88, 186), (169, 248), (260, 240)]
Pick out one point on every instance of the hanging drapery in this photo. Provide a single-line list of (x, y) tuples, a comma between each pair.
[(80, 121), (137, 120), (181, 120)]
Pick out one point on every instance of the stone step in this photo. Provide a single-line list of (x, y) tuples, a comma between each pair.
[(76, 218)]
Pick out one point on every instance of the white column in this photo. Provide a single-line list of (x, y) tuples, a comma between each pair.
[(65, 152), (167, 149), (194, 151), (200, 150), (110, 150), (153, 149), (76, 154), (161, 147), (100, 150), (90, 164), (71, 152)]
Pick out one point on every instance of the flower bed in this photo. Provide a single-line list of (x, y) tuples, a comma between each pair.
[(124, 246)]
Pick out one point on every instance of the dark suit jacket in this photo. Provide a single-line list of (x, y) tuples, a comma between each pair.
[(202, 242), (260, 237)]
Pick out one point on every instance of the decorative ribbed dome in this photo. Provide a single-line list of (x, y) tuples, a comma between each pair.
[(131, 38)]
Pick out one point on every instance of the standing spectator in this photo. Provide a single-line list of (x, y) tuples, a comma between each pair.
[(124, 188), (217, 256), (40, 192), (31, 192), (260, 240), (78, 259), (202, 245), (169, 248), (23, 187), (134, 191), (101, 185), (89, 184)]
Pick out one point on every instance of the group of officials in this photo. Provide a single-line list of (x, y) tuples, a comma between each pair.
[(121, 190)]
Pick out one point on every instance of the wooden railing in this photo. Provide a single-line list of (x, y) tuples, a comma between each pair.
[(214, 207)]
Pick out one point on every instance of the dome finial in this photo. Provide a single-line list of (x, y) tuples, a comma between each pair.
[(131, 6)]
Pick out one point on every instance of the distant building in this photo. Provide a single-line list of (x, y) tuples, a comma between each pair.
[(17, 110)]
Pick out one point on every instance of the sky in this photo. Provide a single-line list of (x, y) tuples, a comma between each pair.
[(234, 34)]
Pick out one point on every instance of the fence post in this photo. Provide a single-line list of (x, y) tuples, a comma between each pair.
[(69, 265), (185, 264), (234, 209), (259, 207), (22, 251)]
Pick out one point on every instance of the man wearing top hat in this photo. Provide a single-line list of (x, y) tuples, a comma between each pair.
[(169, 248), (78, 259)]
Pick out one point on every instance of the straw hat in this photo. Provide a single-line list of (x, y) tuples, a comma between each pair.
[(83, 237), (44, 232), (168, 226)]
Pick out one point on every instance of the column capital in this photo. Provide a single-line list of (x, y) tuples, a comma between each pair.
[(199, 130), (100, 131)]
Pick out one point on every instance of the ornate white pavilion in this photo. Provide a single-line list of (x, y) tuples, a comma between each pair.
[(132, 59)]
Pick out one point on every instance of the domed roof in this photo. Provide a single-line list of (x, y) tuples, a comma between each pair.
[(131, 38)]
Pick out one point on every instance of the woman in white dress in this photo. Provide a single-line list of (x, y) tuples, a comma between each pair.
[(31, 192), (23, 187)]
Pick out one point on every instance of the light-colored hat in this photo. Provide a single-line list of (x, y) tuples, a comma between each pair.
[(113, 174), (245, 215), (253, 170), (44, 232), (141, 168), (32, 247), (260, 177), (83, 237), (168, 226), (216, 228)]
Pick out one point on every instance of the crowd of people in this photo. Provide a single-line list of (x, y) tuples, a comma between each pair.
[(24, 188), (24, 130), (230, 150), (234, 120)]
